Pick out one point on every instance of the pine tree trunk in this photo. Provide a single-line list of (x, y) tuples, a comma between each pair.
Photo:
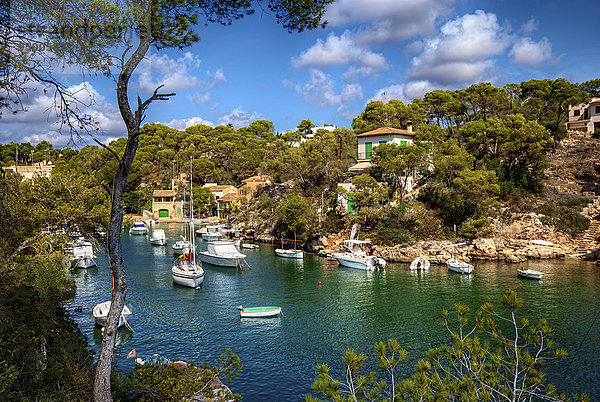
[(102, 389)]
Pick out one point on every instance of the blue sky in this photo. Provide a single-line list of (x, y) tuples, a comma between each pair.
[(371, 49)]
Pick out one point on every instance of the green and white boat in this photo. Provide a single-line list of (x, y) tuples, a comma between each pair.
[(259, 312)]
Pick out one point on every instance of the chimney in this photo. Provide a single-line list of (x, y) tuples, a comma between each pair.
[(409, 126)]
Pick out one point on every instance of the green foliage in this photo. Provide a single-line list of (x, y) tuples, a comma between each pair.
[(473, 228), (596, 134), (296, 215), (563, 217), (43, 355), (398, 163), (158, 380), (368, 192), (498, 358)]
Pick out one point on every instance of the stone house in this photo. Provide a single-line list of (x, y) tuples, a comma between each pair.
[(164, 205), (585, 116)]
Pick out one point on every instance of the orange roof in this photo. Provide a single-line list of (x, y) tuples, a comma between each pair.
[(163, 193), (221, 187), (595, 100), (386, 131)]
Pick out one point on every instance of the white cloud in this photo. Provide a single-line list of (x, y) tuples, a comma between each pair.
[(174, 74), (404, 92), (41, 120), (459, 53), (388, 20), (339, 50), (320, 90), (529, 53), (182, 124), (239, 118), (530, 26), (217, 77), (198, 97)]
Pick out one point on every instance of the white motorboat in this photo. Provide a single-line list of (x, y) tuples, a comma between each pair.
[(355, 256), (459, 266), (158, 237), (181, 246), (212, 233), (185, 270), (420, 264), (248, 245), (289, 253), (222, 253), (100, 313), (529, 273), (82, 254), (138, 228)]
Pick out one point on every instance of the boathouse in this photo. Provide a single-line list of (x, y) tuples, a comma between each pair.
[(164, 205)]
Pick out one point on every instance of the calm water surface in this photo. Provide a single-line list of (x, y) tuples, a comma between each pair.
[(352, 309)]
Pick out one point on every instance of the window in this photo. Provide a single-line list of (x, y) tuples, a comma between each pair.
[(576, 112), (598, 109), (382, 142), (403, 142)]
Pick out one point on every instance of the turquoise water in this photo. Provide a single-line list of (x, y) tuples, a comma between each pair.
[(351, 309)]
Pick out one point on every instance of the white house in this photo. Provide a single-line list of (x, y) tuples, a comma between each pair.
[(585, 116), (383, 135)]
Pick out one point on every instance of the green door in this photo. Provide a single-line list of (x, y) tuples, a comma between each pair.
[(368, 149), (163, 213), (350, 197)]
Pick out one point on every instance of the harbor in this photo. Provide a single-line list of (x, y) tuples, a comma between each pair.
[(327, 308)]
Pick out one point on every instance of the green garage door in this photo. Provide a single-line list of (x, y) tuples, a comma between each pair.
[(163, 213)]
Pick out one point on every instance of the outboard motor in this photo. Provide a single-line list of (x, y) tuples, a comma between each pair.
[(375, 262)]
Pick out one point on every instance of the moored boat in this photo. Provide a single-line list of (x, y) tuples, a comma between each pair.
[(222, 253), (82, 254), (212, 233), (248, 245), (181, 247), (355, 256), (529, 273), (259, 312), (138, 228), (420, 264), (459, 266), (158, 237), (289, 253), (100, 314)]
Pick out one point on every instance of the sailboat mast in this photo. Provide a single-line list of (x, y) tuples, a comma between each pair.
[(192, 234)]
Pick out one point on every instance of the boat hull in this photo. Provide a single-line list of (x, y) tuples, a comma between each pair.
[(420, 264), (529, 274), (289, 253), (369, 263), (100, 314), (460, 267), (138, 232), (260, 312), (186, 274), (213, 259), (158, 242), (86, 262)]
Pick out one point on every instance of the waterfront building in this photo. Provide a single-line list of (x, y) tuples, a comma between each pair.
[(164, 205), (371, 139), (584, 117), (250, 186), (220, 191), (42, 169)]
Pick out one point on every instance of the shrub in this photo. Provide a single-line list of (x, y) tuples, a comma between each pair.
[(563, 218)]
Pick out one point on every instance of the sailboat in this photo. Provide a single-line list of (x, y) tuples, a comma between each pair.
[(454, 263), (281, 252), (186, 271)]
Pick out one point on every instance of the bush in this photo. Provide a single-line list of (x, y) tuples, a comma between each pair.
[(563, 218), (596, 134)]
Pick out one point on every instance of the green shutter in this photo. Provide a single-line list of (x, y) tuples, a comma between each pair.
[(382, 142), (403, 142), (350, 197), (368, 150)]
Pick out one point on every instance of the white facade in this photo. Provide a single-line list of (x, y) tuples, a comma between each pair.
[(385, 135), (585, 116)]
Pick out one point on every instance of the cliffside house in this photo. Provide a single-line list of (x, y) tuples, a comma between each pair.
[(220, 191), (42, 169), (250, 186), (585, 117), (383, 135), (164, 205)]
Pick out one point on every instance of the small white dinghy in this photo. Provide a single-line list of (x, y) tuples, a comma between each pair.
[(289, 253), (100, 313), (259, 312), (529, 273), (158, 237), (420, 264), (249, 245)]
